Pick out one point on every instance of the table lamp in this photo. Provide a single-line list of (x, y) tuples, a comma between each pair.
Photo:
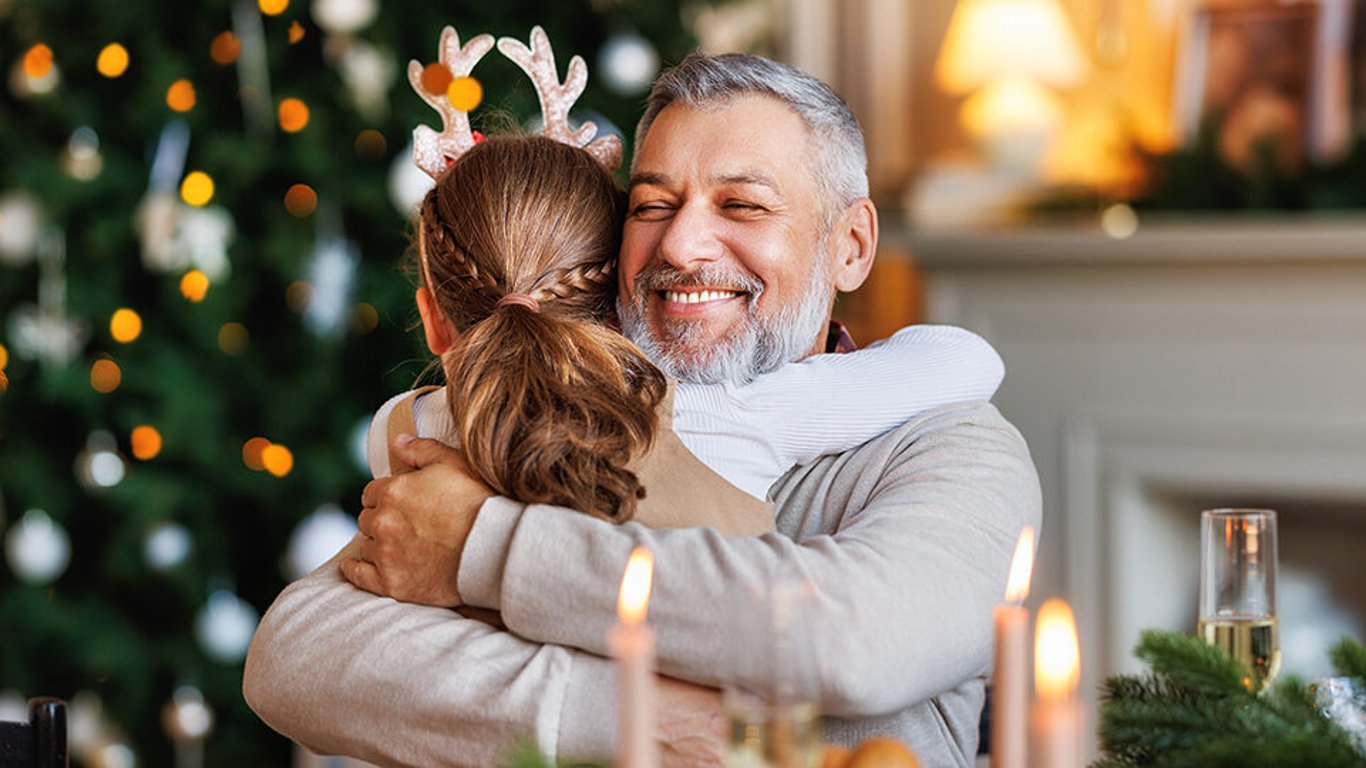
[(1001, 54)]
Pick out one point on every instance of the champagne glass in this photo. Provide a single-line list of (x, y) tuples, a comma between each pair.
[(1238, 589)]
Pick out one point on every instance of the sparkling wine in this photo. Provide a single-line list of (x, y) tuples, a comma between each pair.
[(1254, 642), (774, 736)]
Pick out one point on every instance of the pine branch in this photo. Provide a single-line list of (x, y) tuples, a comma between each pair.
[(1349, 659), (1191, 662)]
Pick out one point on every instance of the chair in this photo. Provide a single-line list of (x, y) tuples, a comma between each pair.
[(39, 743)]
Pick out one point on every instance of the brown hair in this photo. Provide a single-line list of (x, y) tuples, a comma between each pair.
[(549, 406)]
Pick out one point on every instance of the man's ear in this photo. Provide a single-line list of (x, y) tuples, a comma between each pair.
[(440, 334), (854, 240)]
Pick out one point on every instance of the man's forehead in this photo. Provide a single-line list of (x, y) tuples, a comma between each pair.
[(749, 175)]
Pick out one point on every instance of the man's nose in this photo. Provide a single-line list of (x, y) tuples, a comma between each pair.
[(692, 238)]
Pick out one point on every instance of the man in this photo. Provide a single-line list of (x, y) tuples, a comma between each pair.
[(748, 212)]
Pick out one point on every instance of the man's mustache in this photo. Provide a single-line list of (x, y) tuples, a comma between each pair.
[(663, 277)]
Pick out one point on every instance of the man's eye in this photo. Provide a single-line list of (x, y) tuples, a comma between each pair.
[(736, 205), (650, 210)]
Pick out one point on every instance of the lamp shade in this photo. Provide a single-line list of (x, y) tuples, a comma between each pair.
[(993, 39)]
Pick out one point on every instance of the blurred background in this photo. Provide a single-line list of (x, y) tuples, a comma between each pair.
[(1153, 208)]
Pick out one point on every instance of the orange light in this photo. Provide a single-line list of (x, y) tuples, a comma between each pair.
[(105, 376), (300, 200), (297, 295), (364, 318), (194, 286), (38, 61), (293, 115), (4, 382), (277, 459), (273, 7), (296, 32), (4, 356), (1021, 567), (180, 96), (1057, 657), (112, 61), (465, 93), (197, 188), (146, 442), (125, 325), (436, 78), (370, 144), (225, 48), (251, 453), (233, 338), (633, 602)]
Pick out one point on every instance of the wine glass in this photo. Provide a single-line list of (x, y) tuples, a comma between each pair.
[(1238, 589)]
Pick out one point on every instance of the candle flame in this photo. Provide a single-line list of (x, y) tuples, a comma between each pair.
[(1021, 567), (1057, 657), (634, 599)]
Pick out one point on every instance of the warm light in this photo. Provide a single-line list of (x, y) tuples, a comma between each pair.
[(297, 295), (233, 338), (293, 115), (364, 318), (633, 602), (1012, 105), (370, 144), (105, 376), (1119, 221), (194, 286), (300, 200), (273, 7), (225, 48), (4, 382), (112, 61), (1057, 657), (38, 61), (465, 93), (125, 325), (251, 453), (1021, 567), (296, 32), (436, 78), (197, 188), (146, 442), (4, 356), (180, 96), (992, 39), (277, 459)]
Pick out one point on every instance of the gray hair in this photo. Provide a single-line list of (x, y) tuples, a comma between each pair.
[(701, 81)]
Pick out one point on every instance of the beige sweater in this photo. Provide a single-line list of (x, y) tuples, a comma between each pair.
[(906, 539)]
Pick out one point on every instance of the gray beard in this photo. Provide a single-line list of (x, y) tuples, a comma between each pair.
[(683, 351)]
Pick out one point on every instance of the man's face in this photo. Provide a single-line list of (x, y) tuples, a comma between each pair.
[(725, 271)]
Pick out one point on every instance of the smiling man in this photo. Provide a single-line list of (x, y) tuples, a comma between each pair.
[(748, 213)]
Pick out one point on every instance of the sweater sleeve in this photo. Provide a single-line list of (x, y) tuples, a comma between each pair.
[(905, 542)]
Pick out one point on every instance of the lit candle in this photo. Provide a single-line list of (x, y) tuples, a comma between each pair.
[(1009, 686), (1056, 716), (633, 647)]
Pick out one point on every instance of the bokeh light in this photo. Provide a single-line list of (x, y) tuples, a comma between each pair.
[(197, 188), (465, 93), (112, 61), (125, 325), (300, 200), (4, 357), (293, 115), (436, 78), (364, 318), (251, 453), (297, 295), (277, 459), (273, 7), (233, 338), (4, 382), (370, 144), (225, 48), (296, 32), (194, 286), (105, 376), (145, 442), (38, 61), (180, 96)]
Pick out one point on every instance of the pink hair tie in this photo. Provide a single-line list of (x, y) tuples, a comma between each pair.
[(521, 299)]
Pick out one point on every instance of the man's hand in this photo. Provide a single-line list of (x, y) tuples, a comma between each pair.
[(692, 725), (414, 525)]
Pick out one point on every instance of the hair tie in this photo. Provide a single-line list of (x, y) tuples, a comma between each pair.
[(521, 299)]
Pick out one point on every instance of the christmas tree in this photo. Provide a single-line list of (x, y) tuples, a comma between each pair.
[(203, 218)]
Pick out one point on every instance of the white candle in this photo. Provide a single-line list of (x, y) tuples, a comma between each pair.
[(1009, 687), (1056, 719), (633, 647)]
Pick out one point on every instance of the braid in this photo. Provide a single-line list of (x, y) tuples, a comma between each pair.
[(581, 278)]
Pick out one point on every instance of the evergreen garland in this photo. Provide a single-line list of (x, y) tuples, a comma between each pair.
[(1193, 709)]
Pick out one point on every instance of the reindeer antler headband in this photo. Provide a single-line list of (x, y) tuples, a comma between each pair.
[(434, 152)]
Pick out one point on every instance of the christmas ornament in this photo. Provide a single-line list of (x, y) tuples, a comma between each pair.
[(21, 219), (224, 627), (344, 17), (99, 465), (81, 159), (331, 273), (44, 331), (407, 183), (316, 539), (187, 720), (177, 236), (369, 73), (167, 545), (628, 63), (37, 548)]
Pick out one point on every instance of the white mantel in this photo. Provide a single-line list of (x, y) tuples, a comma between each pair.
[(1198, 362)]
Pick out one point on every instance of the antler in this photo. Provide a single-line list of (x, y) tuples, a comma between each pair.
[(538, 62), (431, 150)]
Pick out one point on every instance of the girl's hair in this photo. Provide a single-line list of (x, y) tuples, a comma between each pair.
[(548, 406)]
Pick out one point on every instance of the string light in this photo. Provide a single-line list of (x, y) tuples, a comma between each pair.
[(4, 357), (194, 286), (225, 48), (273, 7), (277, 459), (180, 96), (297, 295), (233, 338), (296, 32), (436, 78), (300, 200), (293, 115), (145, 442), (251, 453), (125, 325), (38, 61), (112, 61), (370, 144), (364, 318), (4, 382), (197, 188), (105, 376), (465, 93)]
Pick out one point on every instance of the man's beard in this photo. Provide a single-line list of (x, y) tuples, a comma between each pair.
[(683, 349)]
